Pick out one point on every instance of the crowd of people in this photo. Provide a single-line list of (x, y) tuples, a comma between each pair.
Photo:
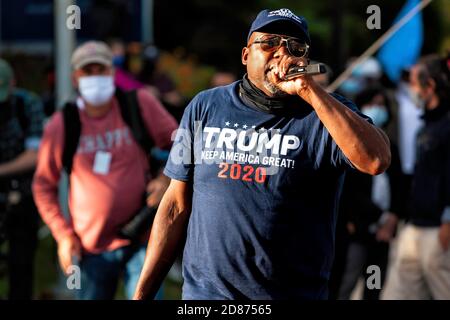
[(113, 142), (410, 200), (104, 81)]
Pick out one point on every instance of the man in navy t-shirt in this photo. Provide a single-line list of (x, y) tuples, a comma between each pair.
[(257, 169)]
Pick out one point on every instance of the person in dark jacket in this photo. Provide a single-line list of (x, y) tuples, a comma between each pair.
[(21, 124), (370, 207), (421, 269)]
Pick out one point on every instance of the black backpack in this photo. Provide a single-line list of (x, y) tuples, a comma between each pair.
[(131, 114)]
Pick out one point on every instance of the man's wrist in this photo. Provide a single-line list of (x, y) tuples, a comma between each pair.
[(306, 91), (311, 91)]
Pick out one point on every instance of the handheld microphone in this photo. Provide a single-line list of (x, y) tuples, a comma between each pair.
[(310, 69)]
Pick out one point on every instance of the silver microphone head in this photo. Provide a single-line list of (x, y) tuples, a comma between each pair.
[(311, 69)]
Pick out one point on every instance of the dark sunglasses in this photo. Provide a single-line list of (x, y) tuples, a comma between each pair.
[(271, 43)]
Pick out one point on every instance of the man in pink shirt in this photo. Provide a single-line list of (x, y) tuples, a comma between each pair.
[(108, 177)]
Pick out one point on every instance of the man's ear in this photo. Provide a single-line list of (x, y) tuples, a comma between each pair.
[(74, 80), (431, 84), (244, 56)]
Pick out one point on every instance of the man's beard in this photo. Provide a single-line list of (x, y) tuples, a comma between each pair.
[(275, 91)]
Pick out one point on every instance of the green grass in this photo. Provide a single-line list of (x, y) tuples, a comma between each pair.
[(46, 269), (3, 271)]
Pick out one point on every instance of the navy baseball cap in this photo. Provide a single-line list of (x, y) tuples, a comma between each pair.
[(282, 21)]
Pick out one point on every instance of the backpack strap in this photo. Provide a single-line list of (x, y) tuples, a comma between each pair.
[(131, 114), (72, 132)]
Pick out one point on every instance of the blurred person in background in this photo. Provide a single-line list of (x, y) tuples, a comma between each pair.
[(138, 69), (365, 74), (370, 206), (48, 96), (123, 79), (109, 173), (421, 269), (222, 78), (404, 127), (21, 124), (126, 81), (160, 83), (341, 234)]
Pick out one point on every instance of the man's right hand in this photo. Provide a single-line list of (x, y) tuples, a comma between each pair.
[(386, 231), (68, 247)]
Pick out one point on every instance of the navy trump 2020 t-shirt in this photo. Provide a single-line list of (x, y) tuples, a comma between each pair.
[(266, 189)]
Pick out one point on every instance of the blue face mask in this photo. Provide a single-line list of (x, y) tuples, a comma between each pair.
[(351, 87), (378, 114), (118, 61)]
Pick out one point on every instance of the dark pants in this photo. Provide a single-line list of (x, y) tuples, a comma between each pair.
[(360, 255), (340, 258), (22, 221)]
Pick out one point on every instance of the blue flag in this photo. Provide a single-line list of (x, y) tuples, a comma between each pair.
[(403, 48)]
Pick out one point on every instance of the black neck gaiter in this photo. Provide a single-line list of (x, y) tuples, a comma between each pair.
[(256, 98)]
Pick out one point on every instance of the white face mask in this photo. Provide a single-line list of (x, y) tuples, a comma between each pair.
[(96, 90)]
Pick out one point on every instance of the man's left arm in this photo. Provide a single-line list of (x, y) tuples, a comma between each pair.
[(364, 145), (25, 161)]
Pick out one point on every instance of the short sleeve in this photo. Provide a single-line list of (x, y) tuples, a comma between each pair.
[(180, 165), (338, 158)]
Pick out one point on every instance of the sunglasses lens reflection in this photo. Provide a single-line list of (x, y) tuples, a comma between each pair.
[(295, 47)]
